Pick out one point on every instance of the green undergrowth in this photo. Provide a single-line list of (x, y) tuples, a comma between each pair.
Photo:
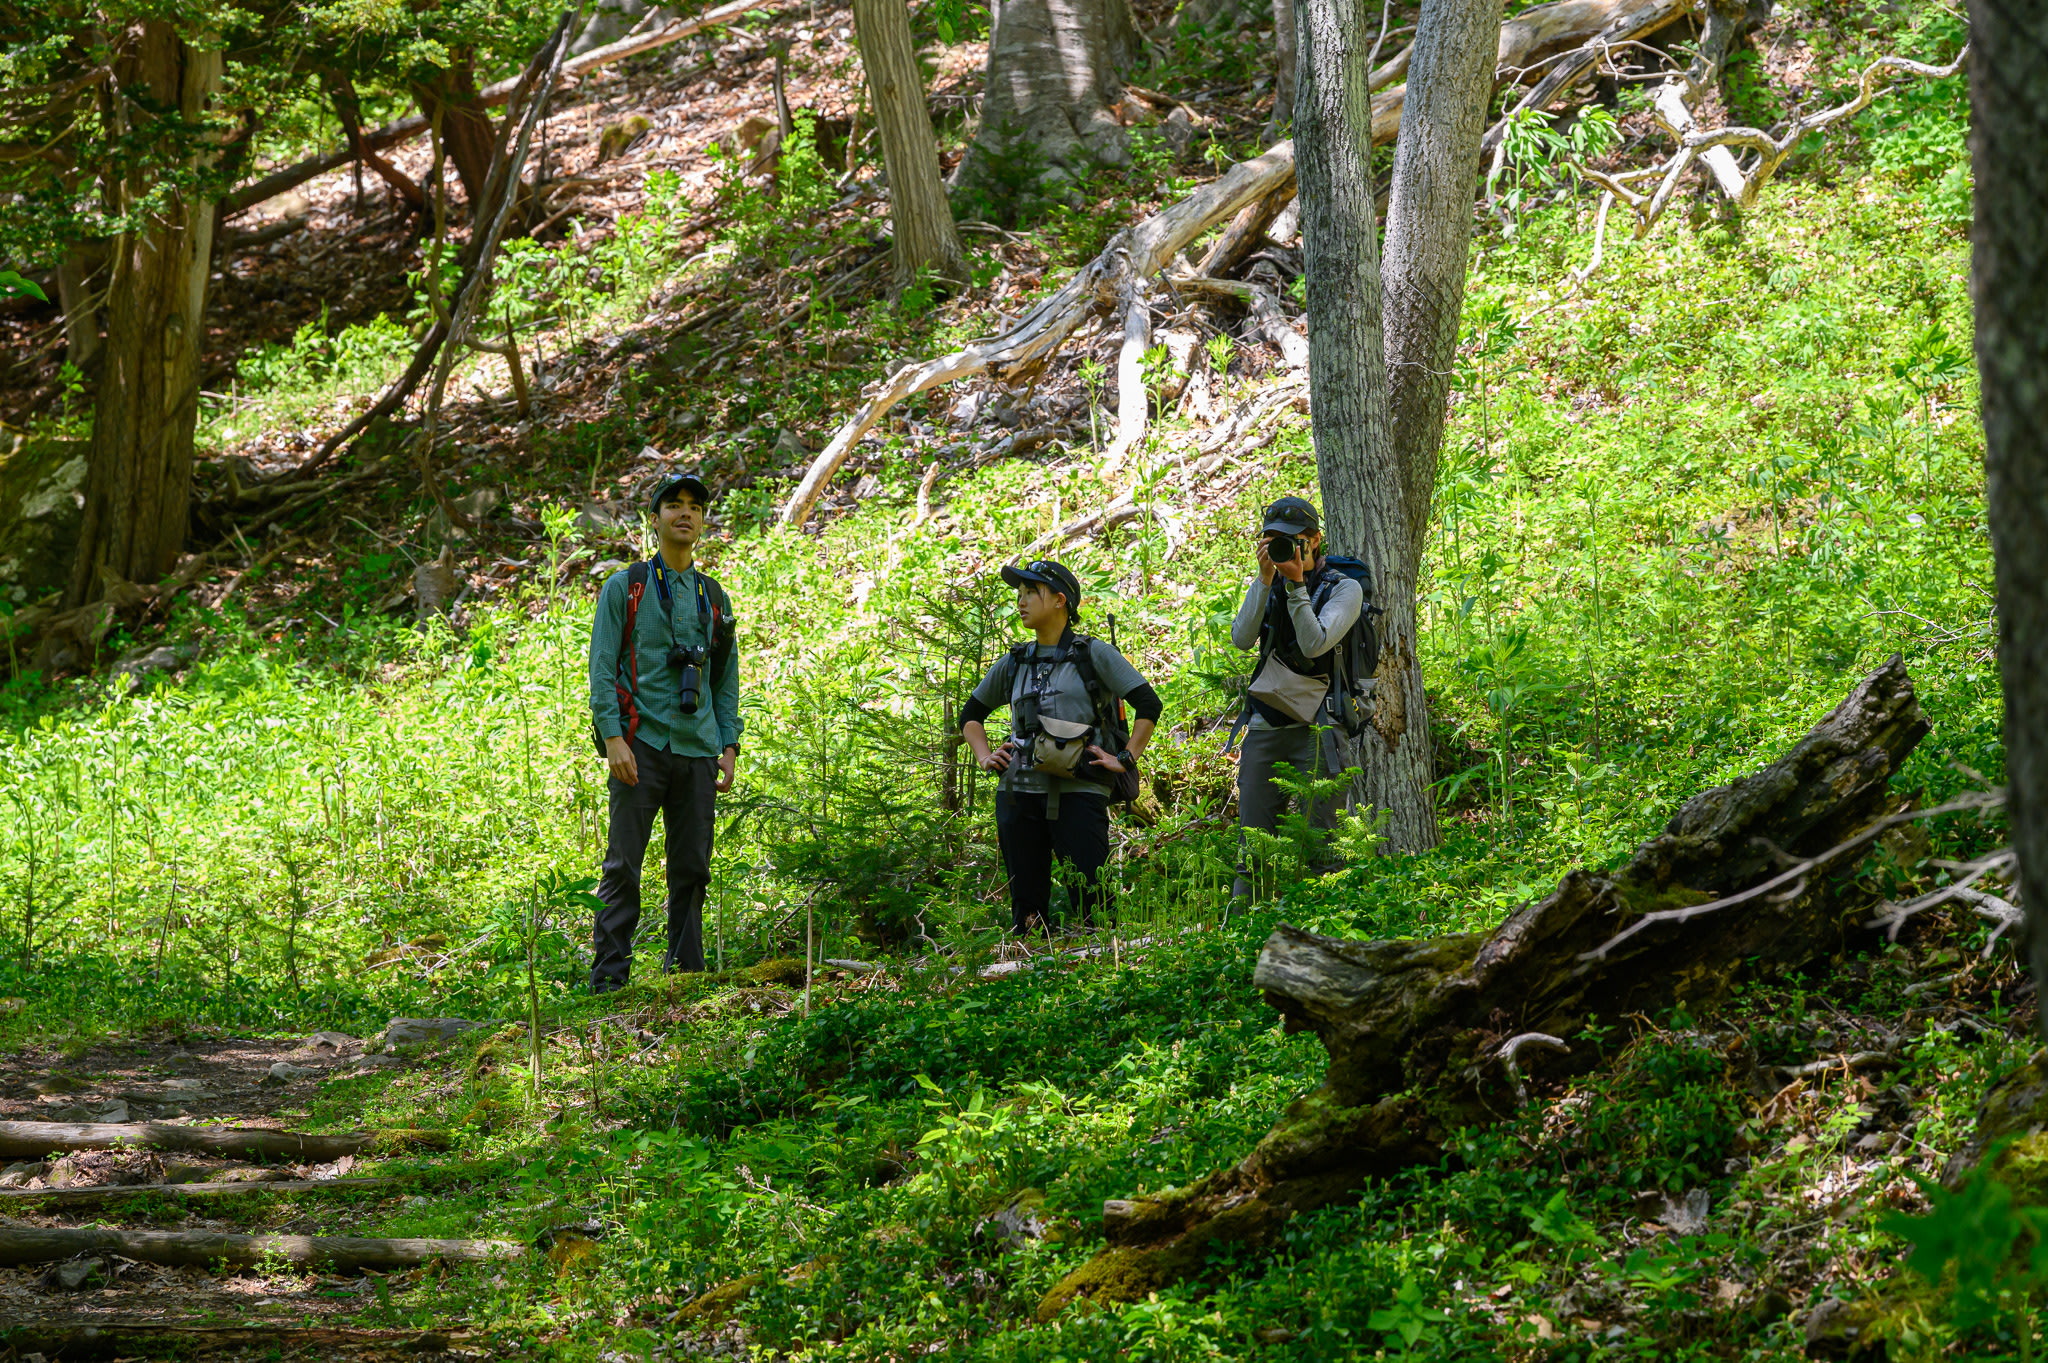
[(1679, 515)]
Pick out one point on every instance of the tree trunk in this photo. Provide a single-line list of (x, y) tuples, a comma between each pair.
[(1429, 230), (920, 217), (1422, 1033), (1054, 69), (466, 128), (94, 1195), (1285, 45), (1363, 511), (2009, 280), (76, 296), (140, 480)]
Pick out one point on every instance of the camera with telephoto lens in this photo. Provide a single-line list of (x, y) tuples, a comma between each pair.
[(688, 664), (1280, 548)]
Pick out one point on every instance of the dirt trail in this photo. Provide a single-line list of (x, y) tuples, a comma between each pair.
[(104, 1305)]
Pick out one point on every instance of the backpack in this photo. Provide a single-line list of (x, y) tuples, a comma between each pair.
[(1355, 658), (712, 604), (1114, 730)]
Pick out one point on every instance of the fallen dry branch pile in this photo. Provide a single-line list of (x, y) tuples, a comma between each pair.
[(204, 1248), (1743, 880), (35, 1139), (1117, 281)]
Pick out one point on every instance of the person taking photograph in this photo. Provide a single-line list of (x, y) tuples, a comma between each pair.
[(1296, 612), (664, 705), (1065, 754)]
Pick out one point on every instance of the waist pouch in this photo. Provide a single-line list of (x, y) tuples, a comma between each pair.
[(1060, 747), (1281, 687)]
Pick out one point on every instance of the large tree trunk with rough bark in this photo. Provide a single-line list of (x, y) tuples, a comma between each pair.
[(1054, 78), (1428, 241), (2009, 280), (1423, 1034), (139, 483), (919, 216)]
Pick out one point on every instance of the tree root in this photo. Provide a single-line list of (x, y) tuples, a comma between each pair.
[(1413, 1029)]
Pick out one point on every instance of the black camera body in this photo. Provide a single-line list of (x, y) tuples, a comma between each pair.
[(688, 664), (1281, 548)]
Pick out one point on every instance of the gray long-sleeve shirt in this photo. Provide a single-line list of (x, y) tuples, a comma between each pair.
[(1315, 632)]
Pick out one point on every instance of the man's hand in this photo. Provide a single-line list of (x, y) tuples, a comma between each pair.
[(728, 770), (995, 759), (1266, 565), (1104, 758), (618, 755)]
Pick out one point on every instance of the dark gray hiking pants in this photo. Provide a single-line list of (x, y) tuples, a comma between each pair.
[(1260, 802), (681, 790)]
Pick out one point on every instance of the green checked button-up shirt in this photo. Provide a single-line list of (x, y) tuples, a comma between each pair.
[(717, 723)]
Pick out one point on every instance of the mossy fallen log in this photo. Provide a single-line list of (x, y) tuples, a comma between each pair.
[(1739, 883)]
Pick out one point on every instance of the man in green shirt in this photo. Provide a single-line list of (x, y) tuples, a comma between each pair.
[(665, 702)]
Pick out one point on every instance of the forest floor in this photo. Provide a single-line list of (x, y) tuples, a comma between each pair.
[(1679, 513)]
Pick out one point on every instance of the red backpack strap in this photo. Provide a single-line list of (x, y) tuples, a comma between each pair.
[(629, 708)]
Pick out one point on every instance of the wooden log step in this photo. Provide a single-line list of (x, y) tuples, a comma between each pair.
[(35, 1139), (92, 1196), (204, 1249), (71, 1338)]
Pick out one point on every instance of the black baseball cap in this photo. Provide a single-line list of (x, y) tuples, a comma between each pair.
[(1047, 573), (1292, 516), (682, 482)]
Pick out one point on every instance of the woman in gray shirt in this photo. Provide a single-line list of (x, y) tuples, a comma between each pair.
[(1052, 798)]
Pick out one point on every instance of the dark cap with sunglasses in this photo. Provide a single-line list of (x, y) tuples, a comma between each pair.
[(1045, 573), (1292, 516)]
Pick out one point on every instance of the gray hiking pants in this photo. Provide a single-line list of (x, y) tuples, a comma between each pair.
[(1260, 802)]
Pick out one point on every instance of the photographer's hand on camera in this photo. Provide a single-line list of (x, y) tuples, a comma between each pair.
[(1266, 565)]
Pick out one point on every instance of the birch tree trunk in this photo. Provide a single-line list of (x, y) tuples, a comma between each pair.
[(920, 217), (1429, 230), (139, 479), (1054, 69), (2009, 280)]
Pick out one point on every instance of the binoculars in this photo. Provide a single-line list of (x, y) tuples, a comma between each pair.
[(688, 664)]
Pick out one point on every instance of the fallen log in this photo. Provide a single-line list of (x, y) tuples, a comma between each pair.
[(205, 1248), (1112, 282), (71, 1338), (405, 129), (1416, 1029), (35, 1139), (93, 1196)]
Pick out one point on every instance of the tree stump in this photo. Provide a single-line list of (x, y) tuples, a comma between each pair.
[(1416, 1030)]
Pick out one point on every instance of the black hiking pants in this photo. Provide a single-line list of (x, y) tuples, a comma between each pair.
[(681, 790), (1031, 842), (1260, 801)]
